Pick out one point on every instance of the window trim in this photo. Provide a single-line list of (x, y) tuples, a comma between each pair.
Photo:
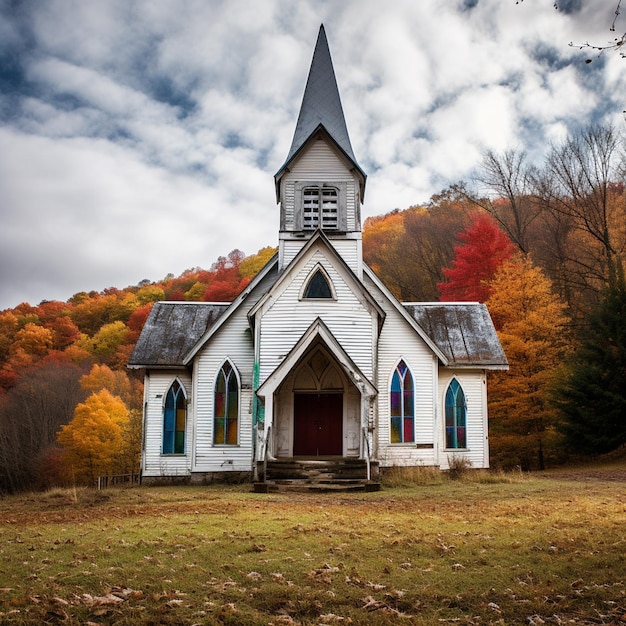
[(456, 426), (342, 191), (318, 268), (395, 372), (183, 391), (235, 372)]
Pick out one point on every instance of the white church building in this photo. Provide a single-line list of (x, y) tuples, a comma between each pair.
[(315, 360)]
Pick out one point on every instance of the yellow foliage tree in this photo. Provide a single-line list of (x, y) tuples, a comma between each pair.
[(94, 441), (531, 324), (254, 263), (103, 377)]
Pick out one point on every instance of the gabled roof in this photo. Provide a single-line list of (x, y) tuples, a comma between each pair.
[(319, 236), (318, 331), (321, 107), (171, 331), (175, 331), (463, 331)]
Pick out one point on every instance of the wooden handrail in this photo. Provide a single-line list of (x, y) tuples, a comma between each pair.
[(366, 451)]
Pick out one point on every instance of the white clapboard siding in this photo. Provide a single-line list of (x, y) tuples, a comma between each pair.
[(287, 318), (349, 249), (320, 163), (233, 341), (399, 341), (474, 387), (154, 462)]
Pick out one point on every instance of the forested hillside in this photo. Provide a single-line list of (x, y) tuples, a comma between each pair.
[(543, 247)]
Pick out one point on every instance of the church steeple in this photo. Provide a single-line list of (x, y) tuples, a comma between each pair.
[(321, 108), (321, 185)]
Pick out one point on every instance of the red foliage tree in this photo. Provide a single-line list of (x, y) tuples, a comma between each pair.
[(485, 247)]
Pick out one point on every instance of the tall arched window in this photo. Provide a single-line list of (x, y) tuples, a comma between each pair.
[(174, 420), (226, 414), (456, 414), (402, 405)]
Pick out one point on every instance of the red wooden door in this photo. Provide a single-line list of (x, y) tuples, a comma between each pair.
[(318, 424)]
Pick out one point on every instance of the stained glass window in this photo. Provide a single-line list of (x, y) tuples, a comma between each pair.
[(226, 413), (174, 420), (456, 415), (318, 287), (402, 405)]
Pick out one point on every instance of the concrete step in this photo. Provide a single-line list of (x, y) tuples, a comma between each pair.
[(316, 475)]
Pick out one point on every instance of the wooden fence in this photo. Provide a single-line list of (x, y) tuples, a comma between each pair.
[(118, 479)]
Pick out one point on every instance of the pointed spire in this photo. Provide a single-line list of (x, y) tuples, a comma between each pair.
[(321, 105)]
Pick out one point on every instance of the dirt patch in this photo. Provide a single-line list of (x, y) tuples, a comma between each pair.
[(611, 475)]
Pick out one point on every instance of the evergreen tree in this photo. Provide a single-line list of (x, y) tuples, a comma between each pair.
[(592, 396)]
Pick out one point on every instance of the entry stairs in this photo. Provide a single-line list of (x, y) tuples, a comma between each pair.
[(314, 474)]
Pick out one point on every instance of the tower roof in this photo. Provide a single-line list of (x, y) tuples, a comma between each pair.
[(321, 106)]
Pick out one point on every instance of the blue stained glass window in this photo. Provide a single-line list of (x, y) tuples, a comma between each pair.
[(174, 420), (456, 416), (401, 404)]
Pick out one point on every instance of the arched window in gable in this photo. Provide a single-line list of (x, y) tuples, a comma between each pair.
[(402, 405), (174, 420), (226, 407), (456, 416), (318, 286)]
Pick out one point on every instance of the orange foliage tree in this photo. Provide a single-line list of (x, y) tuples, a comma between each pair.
[(532, 327)]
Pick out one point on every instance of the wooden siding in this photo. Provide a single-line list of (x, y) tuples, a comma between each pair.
[(154, 463), (319, 163), (287, 318), (232, 342), (475, 388), (399, 341)]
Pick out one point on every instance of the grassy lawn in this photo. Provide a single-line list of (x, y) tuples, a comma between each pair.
[(521, 550)]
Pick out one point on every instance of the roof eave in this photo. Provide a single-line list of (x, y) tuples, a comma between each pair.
[(321, 128)]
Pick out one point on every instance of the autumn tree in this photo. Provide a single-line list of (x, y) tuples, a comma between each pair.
[(117, 382), (484, 248), (580, 183), (532, 327), (592, 394), (31, 413), (429, 241), (253, 264), (506, 185), (94, 439)]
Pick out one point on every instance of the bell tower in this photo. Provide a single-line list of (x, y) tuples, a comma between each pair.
[(321, 185)]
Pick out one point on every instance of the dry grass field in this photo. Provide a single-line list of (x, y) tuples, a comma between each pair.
[(483, 549)]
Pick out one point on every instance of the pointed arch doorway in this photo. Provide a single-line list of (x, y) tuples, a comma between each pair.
[(318, 406)]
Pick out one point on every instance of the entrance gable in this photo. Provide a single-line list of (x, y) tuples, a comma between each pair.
[(317, 333)]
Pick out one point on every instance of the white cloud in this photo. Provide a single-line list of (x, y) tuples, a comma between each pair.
[(141, 138)]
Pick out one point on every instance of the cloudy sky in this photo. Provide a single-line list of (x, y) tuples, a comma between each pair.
[(140, 137)]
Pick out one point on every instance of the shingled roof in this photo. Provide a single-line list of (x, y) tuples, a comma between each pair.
[(463, 331), (171, 331)]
